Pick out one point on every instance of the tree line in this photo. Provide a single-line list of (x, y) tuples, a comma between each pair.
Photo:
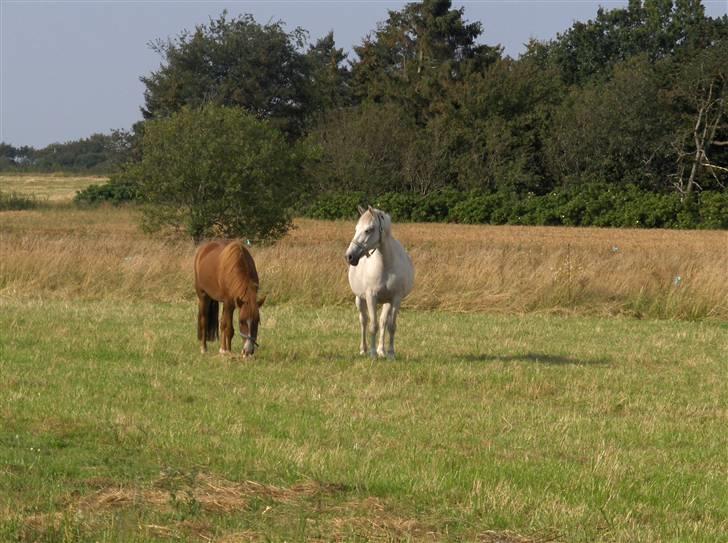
[(99, 153), (632, 101)]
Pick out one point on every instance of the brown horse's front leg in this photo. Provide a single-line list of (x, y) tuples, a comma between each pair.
[(226, 327)]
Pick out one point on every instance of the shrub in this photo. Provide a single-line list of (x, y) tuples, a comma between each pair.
[(595, 204), (116, 191), (400, 206), (333, 206), (714, 209), (436, 206), (219, 171)]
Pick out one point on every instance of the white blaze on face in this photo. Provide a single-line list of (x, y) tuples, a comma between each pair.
[(249, 346)]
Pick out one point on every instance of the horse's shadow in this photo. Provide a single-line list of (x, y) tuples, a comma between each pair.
[(538, 358)]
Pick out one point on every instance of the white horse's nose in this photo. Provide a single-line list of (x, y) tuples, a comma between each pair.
[(352, 258)]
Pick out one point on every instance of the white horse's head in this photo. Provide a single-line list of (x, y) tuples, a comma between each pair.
[(373, 226)]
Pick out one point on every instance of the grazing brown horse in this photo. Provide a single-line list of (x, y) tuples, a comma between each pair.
[(225, 272)]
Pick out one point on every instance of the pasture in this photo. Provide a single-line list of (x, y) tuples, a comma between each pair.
[(551, 385)]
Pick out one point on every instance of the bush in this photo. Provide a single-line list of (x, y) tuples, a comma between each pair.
[(333, 206), (117, 191), (595, 204), (219, 171), (714, 209), (400, 206)]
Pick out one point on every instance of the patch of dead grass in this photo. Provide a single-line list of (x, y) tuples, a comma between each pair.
[(100, 254), (369, 518)]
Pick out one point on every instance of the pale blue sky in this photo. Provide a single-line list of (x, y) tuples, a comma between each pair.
[(71, 68)]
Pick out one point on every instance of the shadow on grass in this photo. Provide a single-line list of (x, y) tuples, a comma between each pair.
[(539, 358)]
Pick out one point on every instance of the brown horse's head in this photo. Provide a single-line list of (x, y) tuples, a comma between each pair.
[(249, 319)]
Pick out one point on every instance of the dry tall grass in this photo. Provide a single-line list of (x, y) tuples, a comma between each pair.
[(101, 254)]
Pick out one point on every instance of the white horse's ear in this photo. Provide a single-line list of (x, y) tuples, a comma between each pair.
[(371, 210), (361, 210)]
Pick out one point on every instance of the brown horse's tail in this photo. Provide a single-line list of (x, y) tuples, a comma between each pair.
[(211, 321)]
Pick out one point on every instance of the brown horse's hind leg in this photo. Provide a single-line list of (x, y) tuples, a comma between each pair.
[(226, 327), (203, 304)]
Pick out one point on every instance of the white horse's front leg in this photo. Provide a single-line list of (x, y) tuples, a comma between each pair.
[(392, 327), (363, 319), (383, 325), (372, 314)]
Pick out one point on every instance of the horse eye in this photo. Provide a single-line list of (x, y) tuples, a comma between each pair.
[(369, 230)]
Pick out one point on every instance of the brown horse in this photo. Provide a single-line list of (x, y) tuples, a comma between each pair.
[(225, 272)]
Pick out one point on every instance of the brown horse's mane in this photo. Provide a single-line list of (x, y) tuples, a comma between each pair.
[(238, 270)]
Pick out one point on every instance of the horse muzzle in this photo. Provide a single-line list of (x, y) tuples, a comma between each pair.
[(249, 346), (352, 259)]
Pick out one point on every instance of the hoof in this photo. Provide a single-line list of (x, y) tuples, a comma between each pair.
[(223, 351), (203, 350), (381, 353)]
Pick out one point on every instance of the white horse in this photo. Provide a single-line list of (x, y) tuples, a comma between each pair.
[(385, 276)]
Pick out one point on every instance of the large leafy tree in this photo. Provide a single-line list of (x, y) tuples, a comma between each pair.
[(233, 62), (655, 28)]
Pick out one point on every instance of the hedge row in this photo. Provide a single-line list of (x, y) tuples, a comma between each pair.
[(592, 205), (115, 192)]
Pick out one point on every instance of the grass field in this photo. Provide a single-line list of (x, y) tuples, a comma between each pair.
[(489, 428), (527, 404)]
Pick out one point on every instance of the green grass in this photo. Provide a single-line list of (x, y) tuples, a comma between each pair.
[(490, 428)]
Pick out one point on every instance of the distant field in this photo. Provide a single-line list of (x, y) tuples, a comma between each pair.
[(53, 188), (65, 252)]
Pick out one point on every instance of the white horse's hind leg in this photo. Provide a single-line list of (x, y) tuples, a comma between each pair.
[(363, 318), (372, 329), (392, 327), (383, 326)]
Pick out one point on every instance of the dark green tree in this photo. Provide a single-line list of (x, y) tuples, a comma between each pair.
[(234, 62), (655, 28), (415, 56), (329, 76)]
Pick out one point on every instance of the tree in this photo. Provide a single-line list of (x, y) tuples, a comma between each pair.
[(698, 101), (416, 55), (376, 148), (497, 133), (612, 131), (655, 28), (328, 75), (218, 171), (233, 62)]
